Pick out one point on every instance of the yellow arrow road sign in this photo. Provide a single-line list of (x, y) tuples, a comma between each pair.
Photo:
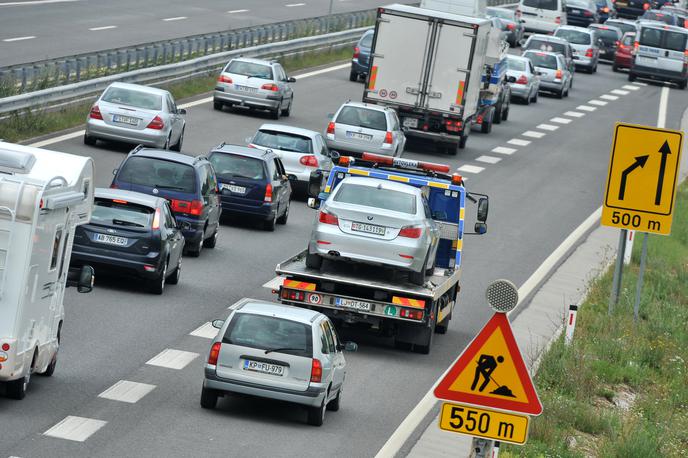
[(490, 424)]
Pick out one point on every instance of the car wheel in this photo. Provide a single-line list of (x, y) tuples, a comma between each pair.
[(276, 112), (283, 219), (196, 251), (316, 415), (486, 126), (314, 261), (527, 100), (418, 278), (269, 225), (424, 348), (560, 94), (499, 109), (210, 242), (178, 146), (208, 398), (535, 97), (594, 69), (158, 285), (462, 144), (287, 111), (631, 76), (615, 68), (50, 370), (217, 106), (682, 85), (333, 405), (90, 141), (174, 278), (16, 389), (353, 76)]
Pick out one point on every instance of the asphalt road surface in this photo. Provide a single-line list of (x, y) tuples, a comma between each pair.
[(539, 193), (32, 30)]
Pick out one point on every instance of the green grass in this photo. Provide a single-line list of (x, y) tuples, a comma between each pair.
[(21, 126), (612, 356)]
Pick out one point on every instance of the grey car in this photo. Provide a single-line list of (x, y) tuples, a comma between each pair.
[(376, 222), (254, 83), (360, 61), (523, 79), (554, 76), (585, 43), (136, 114), (513, 23), (361, 128), (540, 42), (277, 352)]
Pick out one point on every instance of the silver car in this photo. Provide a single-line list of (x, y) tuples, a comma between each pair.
[(301, 150), (523, 79), (255, 83), (585, 44), (361, 128), (376, 222), (278, 352), (554, 76), (137, 114)]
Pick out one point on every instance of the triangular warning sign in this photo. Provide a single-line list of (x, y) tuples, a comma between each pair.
[(491, 373)]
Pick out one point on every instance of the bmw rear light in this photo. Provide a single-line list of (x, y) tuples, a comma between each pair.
[(95, 113), (411, 232), (316, 371), (523, 79), (270, 87), (388, 138), (330, 128), (309, 160), (328, 218), (357, 52), (225, 79), (588, 53), (214, 353), (268, 193), (156, 219), (156, 123)]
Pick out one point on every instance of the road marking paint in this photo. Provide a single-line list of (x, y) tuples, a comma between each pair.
[(10, 40), (663, 104), (575, 114), (609, 97), (599, 103), (519, 142), (631, 87), (237, 11), (470, 169), (547, 127), (75, 428), (638, 83), (533, 134), (172, 359), (36, 2), (561, 120), (585, 108), (178, 18), (488, 159), (126, 391), (105, 27), (504, 150), (321, 71), (292, 5), (206, 330), (620, 92)]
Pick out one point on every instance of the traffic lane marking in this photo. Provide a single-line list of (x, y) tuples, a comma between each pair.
[(547, 127), (620, 92), (488, 159), (237, 11), (519, 142), (533, 134), (470, 169), (631, 87), (36, 2), (178, 18), (504, 150), (126, 391), (74, 428), (575, 114), (561, 120), (638, 83), (206, 330), (585, 108), (172, 359), (609, 97), (10, 40), (599, 103), (105, 27), (292, 5)]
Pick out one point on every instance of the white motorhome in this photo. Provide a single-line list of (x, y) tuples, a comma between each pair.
[(43, 196)]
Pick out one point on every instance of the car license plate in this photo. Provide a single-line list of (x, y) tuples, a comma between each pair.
[(359, 136), (352, 304), (245, 88), (111, 239), (125, 120), (235, 189), (368, 228), (263, 368), (411, 122)]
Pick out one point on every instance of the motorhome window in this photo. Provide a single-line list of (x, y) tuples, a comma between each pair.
[(56, 248), (109, 213)]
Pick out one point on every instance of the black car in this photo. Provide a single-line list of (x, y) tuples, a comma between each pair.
[(610, 37), (253, 183), (661, 16), (624, 24), (581, 13), (631, 9), (188, 183), (131, 233), (360, 62)]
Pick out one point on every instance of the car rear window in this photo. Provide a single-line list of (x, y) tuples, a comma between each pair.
[(516, 64), (362, 117), (503, 14), (133, 98), (367, 41), (628, 40), (542, 4), (542, 60), (607, 35), (370, 196), (574, 36), (284, 141), (675, 41), (662, 17), (623, 26), (579, 4), (252, 69), (270, 333), (237, 166), (148, 171), (121, 213), (548, 46)]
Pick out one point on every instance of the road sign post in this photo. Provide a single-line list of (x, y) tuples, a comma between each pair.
[(641, 274), (618, 272)]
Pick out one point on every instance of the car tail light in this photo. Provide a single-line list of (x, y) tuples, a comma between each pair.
[(357, 52), (270, 87), (195, 207), (268, 193), (452, 126), (214, 353), (330, 128), (316, 371), (585, 13), (605, 9), (309, 161), (388, 138), (646, 6), (557, 20), (511, 26), (225, 79), (149, 268), (617, 43), (588, 53), (479, 119), (411, 314), (5, 347), (328, 218), (156, 124), (156, 219), (95, 113), (411, 232), (523, 79), (559, 74)]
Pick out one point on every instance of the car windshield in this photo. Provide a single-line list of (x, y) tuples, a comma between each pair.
[(542, 4), (376, 197), (148, 171), (133, 98), (608, 35), (268, 333), (362, 117), (236, 166), (574, 36), (548, 46), (366, 41), (250, 69), (118, 212), (543, 60), (284, 141), (623, 26), (503, 14), (516, 64)]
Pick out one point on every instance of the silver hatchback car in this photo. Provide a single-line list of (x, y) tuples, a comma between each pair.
[(279, 352), (376, 222), (361, 128), (585, 44), (137, 114), (554, 76), (255, 83)]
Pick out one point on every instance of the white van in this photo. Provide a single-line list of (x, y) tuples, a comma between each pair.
[(661, 53), (542, 15)]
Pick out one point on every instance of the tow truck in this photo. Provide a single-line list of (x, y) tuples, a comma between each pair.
[(382, 299)]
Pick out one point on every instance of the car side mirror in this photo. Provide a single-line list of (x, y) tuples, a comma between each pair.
[(291, 79), (313, 202), (349, 346), (114, 171), (184, 225), (511, 79), (181, 111), (83, 278), (314, 183), (217, 324), (480, 228), (330, 116), (483, 207), (522, 21)]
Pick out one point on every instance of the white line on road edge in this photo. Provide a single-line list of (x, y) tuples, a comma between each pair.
[(549, 127), (470, 169), (575, 114), (488, 159), (10, 40), (206, 330), (36, 2), (620, 92), (533, 134), (126, 391), (599, 103), (504, 150), (178, 18), (631, 87), (321, 71), (609, 97), (75, 428), (172, 359), (519, 142), (291, 5), (237, 11), (663, 105), (105, 27), (585, 108), (561, 120)]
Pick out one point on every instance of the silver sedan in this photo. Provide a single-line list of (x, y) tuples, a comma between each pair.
[(523, 79), (136, 114), (375, 222)]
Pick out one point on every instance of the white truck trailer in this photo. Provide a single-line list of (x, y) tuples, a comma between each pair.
[(43, 196), (428, 65)]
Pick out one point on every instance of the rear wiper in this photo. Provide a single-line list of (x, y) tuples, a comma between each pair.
[(121, 222), (177, 188), (270, 350)]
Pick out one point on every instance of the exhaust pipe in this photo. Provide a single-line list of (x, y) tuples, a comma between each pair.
[(333, 253)]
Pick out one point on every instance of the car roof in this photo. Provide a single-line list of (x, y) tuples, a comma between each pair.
[(130, 196), (289, 129), (513, 57), (140, 87), (537, 51), (242, 150), (543, 37), (255, 61), (364, 105), (165, 155), (289, 312), (663, 26), (573, 27), (375, 182), (620, 19)]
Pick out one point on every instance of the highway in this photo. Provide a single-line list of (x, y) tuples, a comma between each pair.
[(32, 30), (540, 191)]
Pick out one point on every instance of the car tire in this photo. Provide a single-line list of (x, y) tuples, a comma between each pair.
[(333, 405), (283, 219), (594, 69), (178, 146), (560, 94), (424, 348), (535, 97), (269, 225), (177, 274), (682, 85), (208, 398), (196, 251), (286, 112), (615, 68), (486, 126), (275, 114), (158, 286), (166, 146), (316, 415), (16, 389), (210, 242), (631, 76), (353, 76), (499, 110), (462, 145), (217, 106), (418, 278), (528, 100), (50, 370), (314, 261), (89, 140)]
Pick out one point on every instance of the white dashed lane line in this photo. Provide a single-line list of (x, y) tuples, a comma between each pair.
[(75, 428), (10, 40), (292, 5), (206, 331), (533, 134), (519, 142), (599, 103), (560, 120), (237, 11), (575, 114), (504, 150), (631, 87), (178, 18), (548, 127), (609, 97), (585, 108), (638, 83), (105, 27), (470, 169), (620, 92), (488, 159), (172, 359), (126, 391)]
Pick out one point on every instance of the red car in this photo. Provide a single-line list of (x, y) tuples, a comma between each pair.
[(623, 57)]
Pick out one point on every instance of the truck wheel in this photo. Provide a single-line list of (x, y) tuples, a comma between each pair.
[(486, 126), (441, 328), (462, 144), (208, 398), (313, 261), (424, 348), (498, 113)]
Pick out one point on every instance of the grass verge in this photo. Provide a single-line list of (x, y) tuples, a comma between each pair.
[(21, 126), (621, 388)]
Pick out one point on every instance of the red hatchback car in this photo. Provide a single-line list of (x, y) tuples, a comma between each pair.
[(623, 58)]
